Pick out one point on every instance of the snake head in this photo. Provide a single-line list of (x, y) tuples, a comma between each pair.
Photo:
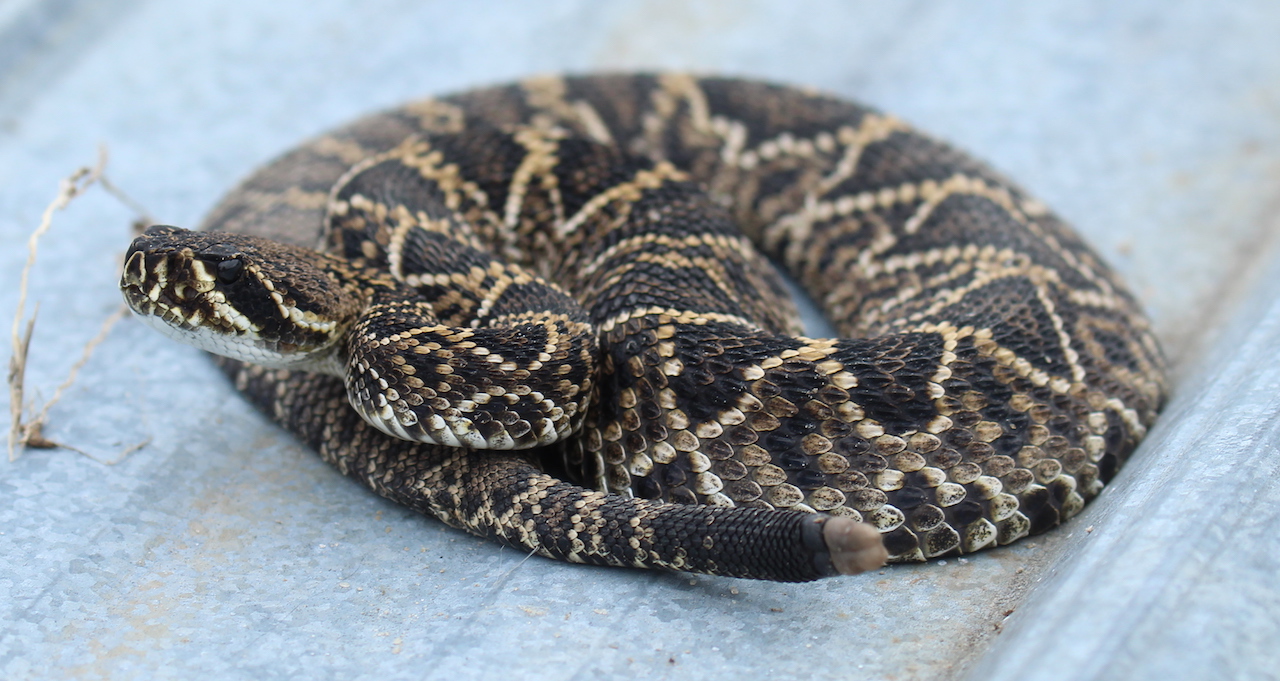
[(238, 296)]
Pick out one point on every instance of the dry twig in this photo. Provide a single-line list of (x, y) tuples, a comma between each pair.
[(30, 433)]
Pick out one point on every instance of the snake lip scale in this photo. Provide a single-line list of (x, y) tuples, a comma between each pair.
[(545, 313)]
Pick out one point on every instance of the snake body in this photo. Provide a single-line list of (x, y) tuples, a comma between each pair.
[(568, 271)]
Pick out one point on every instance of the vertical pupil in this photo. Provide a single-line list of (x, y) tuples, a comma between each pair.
[(230, 270)]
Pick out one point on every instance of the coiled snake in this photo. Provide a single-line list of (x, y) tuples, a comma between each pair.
[(563, 270)]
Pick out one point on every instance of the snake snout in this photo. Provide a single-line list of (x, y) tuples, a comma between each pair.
[(152, 281)]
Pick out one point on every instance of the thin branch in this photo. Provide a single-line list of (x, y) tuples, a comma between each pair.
[(89, 347), (30, 434), (18, 434), (143, 219)]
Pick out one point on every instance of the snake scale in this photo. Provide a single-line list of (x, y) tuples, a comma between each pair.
[(573, 273)]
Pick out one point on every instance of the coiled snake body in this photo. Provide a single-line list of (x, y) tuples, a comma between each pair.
[(562, 270)]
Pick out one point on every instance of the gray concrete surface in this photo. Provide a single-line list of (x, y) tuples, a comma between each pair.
[(224, 550)]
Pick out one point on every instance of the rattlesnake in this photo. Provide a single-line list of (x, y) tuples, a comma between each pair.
[(563, 270)]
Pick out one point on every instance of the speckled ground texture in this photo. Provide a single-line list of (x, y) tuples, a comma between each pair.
[(224, 550)]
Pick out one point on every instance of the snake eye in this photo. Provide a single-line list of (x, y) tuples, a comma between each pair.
[(230, 270)]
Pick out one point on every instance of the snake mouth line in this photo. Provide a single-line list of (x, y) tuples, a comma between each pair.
[(198, 323), (166, 311)]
